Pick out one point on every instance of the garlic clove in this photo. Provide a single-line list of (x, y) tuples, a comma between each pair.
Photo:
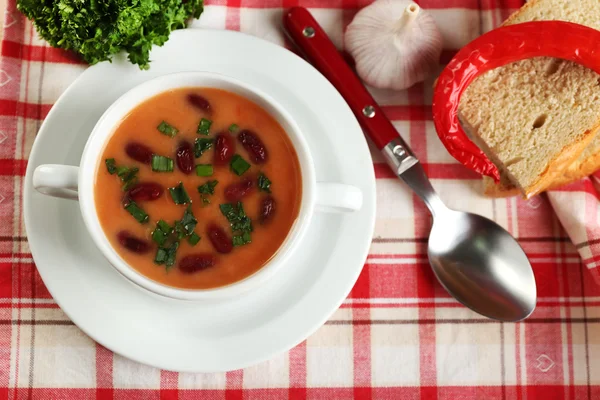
[(394, 43)]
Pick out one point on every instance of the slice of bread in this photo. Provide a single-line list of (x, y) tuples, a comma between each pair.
[(534, 118), (587, 163)]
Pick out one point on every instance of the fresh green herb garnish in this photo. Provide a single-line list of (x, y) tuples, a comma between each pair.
[(264, 183), (171, 253), (201, 145), (128, 176), (161, 256), (161, 233), (188, 221), (168, 237), (162, 164), (208, 187), (137, 213), (179, 195), (204, 126), (167, 129), (193, 239), (98, 29), (240, 240), (179, 230), (239, 165), (111, 165), (233, 128), (204, 169), (241, 225)]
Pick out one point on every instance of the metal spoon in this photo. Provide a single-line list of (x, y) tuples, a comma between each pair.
[(476, 260)]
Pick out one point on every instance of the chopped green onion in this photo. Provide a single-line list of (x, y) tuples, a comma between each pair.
[(204, 126), (179, 230), (161, 233), (193, 239), (167, 129), (161, 256), (179, 195), (130, 183), (239, 165), (162, 164), (171, 252), (188, 221), (205, 200), (201, 145), (240, 240), (233, 128), (122, 170), (137, 213), (208, 187), (111, 165), (264, 183), (204, 169), (237, 217), (162, 224)]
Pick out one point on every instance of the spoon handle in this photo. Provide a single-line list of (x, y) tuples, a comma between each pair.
[(306, 33)]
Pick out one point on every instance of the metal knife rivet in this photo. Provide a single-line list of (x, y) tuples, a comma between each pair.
[(308, 32), (399, 151), (368, 111)]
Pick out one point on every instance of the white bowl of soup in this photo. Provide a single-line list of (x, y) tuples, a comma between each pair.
[(196, 185)]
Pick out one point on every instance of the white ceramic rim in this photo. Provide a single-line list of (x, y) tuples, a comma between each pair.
[(91, 160)]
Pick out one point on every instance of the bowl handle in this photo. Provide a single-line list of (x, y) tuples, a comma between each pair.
[(56, 180), (338, 197)]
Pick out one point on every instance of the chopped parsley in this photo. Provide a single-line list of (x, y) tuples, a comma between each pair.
[(241, 224), (264, 183), (201, 145), (111, 165), (206, 189)]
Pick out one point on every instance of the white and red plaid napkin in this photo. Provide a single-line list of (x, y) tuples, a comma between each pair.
[(577, 206), (397, 336)]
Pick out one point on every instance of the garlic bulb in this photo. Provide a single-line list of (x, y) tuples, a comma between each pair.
[(395, 44)]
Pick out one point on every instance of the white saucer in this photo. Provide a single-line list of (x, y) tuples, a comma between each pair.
[(225, 335)]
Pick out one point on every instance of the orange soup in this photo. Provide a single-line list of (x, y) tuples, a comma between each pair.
[(198, 188)]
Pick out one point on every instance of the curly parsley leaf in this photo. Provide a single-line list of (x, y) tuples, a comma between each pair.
[(97, 30)]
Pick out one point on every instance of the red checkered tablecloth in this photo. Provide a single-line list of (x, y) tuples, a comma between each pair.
[(397, 336)]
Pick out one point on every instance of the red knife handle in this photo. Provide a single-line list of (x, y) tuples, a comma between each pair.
[(320, 52)]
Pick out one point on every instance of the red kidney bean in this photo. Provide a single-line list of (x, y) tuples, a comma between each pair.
[(267, 209), (185, 157), (236, 191), (196, 262), (254, 146), (199, 102), (224, 148), (139, 152), (133, 243), (219, 239), (145, 191)]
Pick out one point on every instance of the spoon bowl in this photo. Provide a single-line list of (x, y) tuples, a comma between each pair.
[(481, 265)]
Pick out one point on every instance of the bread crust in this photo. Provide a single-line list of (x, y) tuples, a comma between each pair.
[(579, 169)]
